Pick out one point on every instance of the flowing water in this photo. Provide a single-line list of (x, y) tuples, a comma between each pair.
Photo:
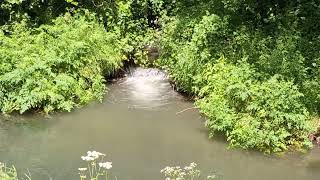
[(142, 126)]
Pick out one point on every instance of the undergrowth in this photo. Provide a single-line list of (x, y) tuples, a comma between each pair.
[(58, 66), (250, 74)]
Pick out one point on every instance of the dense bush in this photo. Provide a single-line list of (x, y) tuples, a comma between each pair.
[(268, 115), (58, 66), (188, 54), (251, 74)]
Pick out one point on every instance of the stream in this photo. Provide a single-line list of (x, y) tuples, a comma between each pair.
[(142, 126)]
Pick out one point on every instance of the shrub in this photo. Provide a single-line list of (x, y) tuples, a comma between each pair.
[(186, 59), (269, 116), (58, 66), (262, 101), (270, 55)]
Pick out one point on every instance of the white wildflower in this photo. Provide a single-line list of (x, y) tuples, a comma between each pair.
[(106, 165), (82, 169), (87, 158), (89, 153), (101, 154), (211, 177), (193, 165), (167, 170), (84, 158), (94, 154)]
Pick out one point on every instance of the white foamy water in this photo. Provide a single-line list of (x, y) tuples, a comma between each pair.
[(147, 88)]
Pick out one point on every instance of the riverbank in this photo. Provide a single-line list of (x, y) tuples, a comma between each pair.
[(255, 80), (140, 129), (253, 92)]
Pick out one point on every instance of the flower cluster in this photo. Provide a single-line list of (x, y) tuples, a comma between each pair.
[(187, 173), (96, 167), (92, 155), (82, 169), (106, 165)]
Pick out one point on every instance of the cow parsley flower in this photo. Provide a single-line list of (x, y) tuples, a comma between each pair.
[(106, 165), (82, 169), (87, 158)]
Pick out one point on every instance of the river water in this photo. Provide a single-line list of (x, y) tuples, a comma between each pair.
[(142, 125)]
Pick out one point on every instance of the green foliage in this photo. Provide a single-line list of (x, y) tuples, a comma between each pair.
[(268, 116), (251, 74), (39, 11), (56, 67), (252, 65), (111, 13), (270, 55), (8, 173), (188, 56)]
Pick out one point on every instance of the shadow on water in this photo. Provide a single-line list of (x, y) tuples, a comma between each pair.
[(142, 125)]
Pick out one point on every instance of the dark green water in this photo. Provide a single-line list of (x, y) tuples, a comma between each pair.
[(138, 127)]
